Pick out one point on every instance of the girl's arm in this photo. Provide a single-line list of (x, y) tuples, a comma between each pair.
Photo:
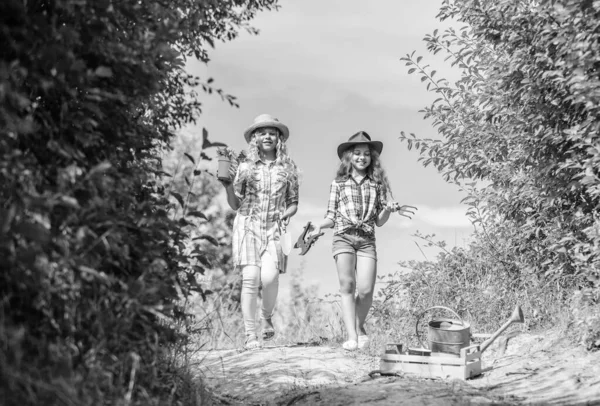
[(289, 212), (236, 189), (291, 200), (385, 208), (232, 199), (327, 223), (384, 214)]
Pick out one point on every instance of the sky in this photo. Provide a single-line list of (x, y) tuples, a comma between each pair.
[(328, 69)]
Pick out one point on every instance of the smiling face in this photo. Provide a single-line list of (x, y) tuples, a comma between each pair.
[(267, 139), (360, 158)]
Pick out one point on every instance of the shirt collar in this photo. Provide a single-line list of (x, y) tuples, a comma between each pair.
[(259, 159), (365, 178)]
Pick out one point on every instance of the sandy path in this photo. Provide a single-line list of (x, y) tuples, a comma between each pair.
[(532, 370)]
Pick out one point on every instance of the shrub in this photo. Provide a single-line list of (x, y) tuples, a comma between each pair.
[(519, 133), (93, 245)]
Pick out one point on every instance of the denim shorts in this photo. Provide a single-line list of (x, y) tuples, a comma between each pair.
[(354, 242)]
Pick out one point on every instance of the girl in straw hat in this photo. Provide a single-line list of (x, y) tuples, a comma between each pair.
[(359, 199), (264, 192)]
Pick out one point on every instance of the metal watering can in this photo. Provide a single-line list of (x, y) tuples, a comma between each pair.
[(446, 337)]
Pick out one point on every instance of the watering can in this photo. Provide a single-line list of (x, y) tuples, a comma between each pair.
[(446, 337)]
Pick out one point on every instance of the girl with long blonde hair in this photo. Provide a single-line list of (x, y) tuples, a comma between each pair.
[(264, 192)]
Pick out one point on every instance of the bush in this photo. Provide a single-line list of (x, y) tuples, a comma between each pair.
[(92, 246), (519, 133)]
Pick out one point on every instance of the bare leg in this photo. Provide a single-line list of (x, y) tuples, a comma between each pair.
[(366, 273), (346, 267), (250, 283)]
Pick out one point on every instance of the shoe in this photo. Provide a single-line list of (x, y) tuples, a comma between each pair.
[(251, 343), (350, 345), (268, 333), (363, 341)]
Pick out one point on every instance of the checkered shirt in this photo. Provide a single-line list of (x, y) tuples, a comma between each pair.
[(264, 198), (354, 205)]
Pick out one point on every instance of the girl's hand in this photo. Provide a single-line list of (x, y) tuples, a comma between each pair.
[(315, 230), (285, 220), (225, 182), (391, 206)]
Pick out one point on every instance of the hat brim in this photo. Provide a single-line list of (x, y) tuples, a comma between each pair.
[(285, 132), (376, 145)]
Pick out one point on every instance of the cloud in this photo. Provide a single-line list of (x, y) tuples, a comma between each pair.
[(439, 217)]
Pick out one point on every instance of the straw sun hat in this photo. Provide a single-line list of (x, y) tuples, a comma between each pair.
[(360, 137), (267, 120)]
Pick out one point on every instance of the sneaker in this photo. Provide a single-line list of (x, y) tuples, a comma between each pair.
[(251, 343), (350, 345)]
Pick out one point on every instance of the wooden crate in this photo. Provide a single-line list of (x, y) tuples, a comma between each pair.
[(468, 365)]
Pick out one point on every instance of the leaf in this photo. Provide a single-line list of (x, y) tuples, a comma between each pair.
[(197, 172), (202, 258), (33, 231), (208, 238), (101, 167), (208, 144), (411, 70), (197, 213), (103, 72), (189, 157), (69, 201), (179, 198), (198, 269)]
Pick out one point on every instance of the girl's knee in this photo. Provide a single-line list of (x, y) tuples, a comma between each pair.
[(270, 280), (250, 280), (364, 293), (347, 286)]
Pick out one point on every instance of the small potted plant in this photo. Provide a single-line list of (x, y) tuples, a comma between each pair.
[(228, 163)]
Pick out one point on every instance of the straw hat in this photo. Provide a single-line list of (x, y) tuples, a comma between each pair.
[(267, 120), (360, 137)]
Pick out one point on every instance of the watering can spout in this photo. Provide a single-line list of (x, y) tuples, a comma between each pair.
[(515, 317)]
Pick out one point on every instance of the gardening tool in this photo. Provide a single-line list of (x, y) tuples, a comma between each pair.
[(515, 317), (449, 336), (406, 209), (285, 238), (446, 336), (305, 243)]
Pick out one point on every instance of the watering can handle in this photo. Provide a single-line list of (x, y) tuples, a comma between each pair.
[(425, 311)]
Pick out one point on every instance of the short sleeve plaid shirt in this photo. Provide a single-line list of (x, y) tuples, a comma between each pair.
[(354, 205), (265, 193)]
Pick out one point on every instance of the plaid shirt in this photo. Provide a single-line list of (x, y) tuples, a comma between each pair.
[(264, 198), (354, 205)]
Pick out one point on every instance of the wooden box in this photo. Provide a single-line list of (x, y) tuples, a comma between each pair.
[(467, 365)]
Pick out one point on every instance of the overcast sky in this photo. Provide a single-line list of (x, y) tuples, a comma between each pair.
[(328, 69)]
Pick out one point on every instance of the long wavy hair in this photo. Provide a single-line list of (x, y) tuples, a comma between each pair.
[(374, 170), (282, 158)]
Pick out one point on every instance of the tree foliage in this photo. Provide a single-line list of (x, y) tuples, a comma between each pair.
[(521, 134), (92, 245)]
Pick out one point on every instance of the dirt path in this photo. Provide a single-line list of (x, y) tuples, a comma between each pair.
[(530, 370)]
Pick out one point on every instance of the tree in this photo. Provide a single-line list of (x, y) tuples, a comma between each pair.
[(90, 250)]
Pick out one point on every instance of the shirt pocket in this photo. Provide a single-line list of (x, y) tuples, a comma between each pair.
[(256, 180)]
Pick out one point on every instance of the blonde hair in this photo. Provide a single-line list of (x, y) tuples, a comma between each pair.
[(282, 158), (374, 170)]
